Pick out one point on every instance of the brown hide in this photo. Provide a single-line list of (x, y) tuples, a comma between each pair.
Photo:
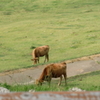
[(40, 52), (53, 71)]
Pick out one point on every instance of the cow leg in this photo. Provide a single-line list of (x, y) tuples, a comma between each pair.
[(65, 77), (48, 79), (46, 58), (38, 60), (60, 81), (49, 82)]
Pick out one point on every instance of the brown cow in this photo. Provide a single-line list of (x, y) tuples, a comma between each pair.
[(39, 52), (53, 71)]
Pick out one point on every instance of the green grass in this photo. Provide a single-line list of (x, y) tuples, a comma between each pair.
[(88, 82), (71, 28)]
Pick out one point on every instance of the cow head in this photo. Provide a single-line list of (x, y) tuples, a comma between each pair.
[(37, 82), (35, 60)]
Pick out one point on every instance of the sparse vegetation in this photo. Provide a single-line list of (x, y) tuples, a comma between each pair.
[(88, 82)]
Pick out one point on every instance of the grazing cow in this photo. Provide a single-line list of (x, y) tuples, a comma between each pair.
[(53, 71), (39, 52)]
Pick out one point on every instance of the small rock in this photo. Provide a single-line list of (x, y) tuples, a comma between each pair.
[(4, 90), (75, 89), (31, 90)]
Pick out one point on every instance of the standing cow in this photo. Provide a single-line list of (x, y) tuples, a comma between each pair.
[(40, 52), (53, 71)]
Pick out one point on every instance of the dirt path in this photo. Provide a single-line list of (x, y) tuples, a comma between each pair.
[(74, 67)]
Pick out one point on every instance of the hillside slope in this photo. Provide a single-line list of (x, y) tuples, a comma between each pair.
[(71, 28)]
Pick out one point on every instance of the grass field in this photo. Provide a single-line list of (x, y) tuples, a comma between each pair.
[(71, 28)]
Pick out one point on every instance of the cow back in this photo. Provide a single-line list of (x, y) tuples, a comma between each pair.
[(54, 70), (41, 51), (57, 69)]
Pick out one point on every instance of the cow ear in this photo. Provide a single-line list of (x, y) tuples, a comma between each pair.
[(46, 76)]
